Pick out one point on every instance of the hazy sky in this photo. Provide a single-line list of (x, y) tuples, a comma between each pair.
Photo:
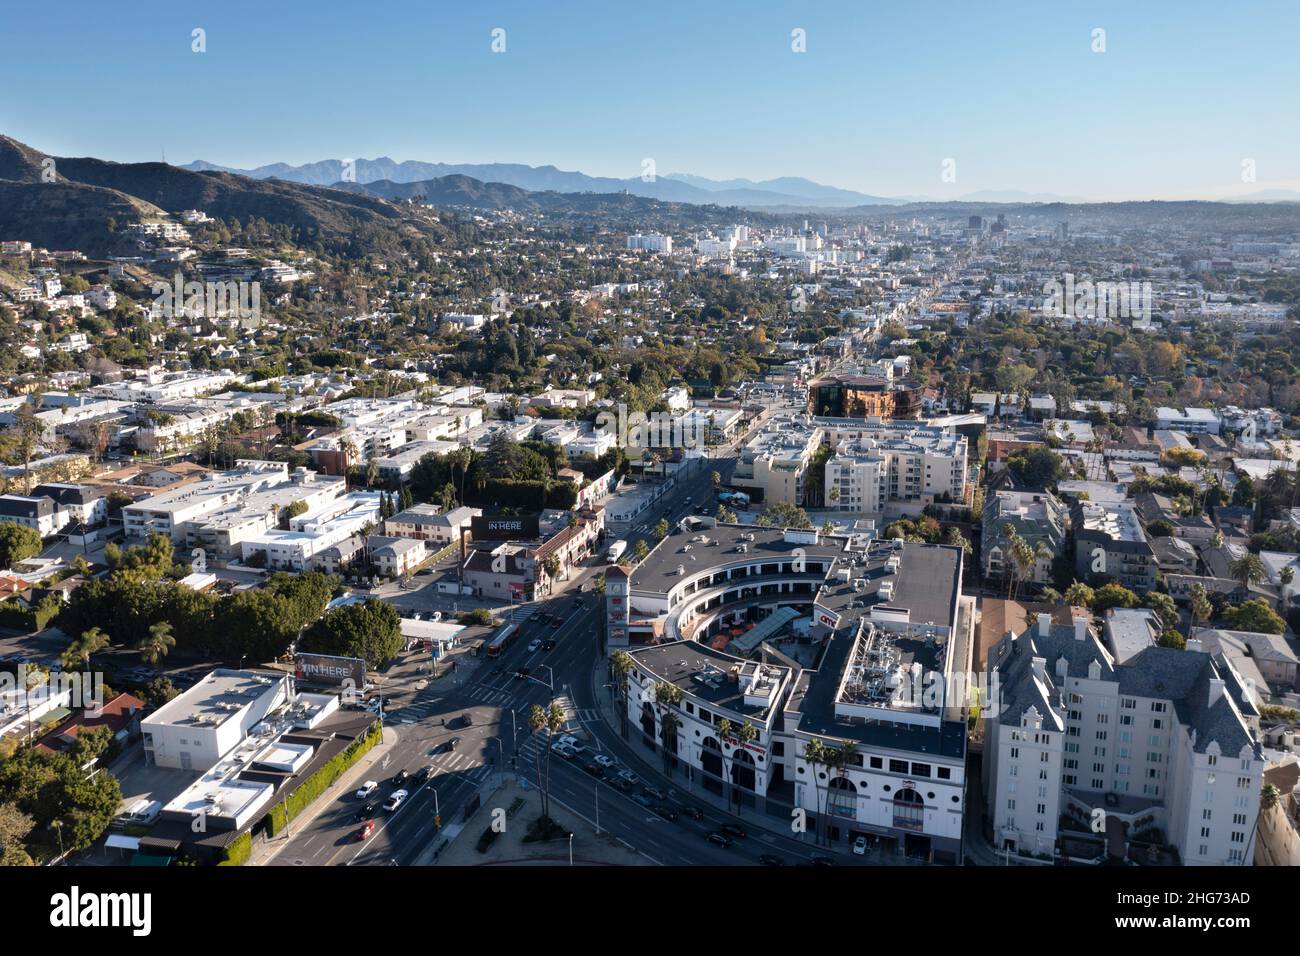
[(1012, 92)]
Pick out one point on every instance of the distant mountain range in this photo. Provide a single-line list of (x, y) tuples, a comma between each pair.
[(88, 197), (789, 191)]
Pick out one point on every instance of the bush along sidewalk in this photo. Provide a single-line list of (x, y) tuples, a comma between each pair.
[(288, 808), (239, 850)]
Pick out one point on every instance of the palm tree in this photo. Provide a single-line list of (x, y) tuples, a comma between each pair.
[(1200, 609), (550, 719), (156, 646), (724, 734), (349, 449), (1022, 553), (669, 724), (1011, 536), (1079, 594), (1284, 577), (464, 458), (815, 753), (80, 650), (667, 695), (620, 663), (746, 735), (551, 565), (1247, 570), (843, 757)]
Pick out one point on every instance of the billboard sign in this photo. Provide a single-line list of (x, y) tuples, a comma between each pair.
[(328, 669), (505, 528)]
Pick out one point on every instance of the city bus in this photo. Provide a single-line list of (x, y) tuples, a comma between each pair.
[(502, 640)]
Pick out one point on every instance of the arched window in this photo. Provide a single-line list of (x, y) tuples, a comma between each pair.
[(909, 810), (842, 798)]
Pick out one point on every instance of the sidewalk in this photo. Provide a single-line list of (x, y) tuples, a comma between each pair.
[(265, 851), (522, 805), (651, 767)]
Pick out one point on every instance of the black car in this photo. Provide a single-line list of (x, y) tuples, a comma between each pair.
[(655, 792), (770, 859), (467, 719), (548, 645), (595, 769), (690, 810), (522, 673), (734, 830), (400, 778), (718, 839), (422, 774), (821, 859), (366, 812), (664, 810), (624, 785), (453, 744)]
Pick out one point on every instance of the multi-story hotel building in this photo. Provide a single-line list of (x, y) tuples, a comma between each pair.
[(1124, 738), (873, 675)]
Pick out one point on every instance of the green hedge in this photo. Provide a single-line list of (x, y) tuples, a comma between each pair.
[(15, 615), (292, 805), (239, 850)]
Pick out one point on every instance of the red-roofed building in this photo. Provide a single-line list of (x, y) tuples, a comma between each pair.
[(121, 715)]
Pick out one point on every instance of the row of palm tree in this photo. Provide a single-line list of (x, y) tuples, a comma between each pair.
[(152, 648), (743, 735), (550, 719), (1024, 557), (836, 758)]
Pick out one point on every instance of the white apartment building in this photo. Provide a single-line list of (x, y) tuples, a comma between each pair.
[(160, 387), (219, 512), (195, 730), (776, 461), (309, 534), (867, 472), (1138, 738), (1193, 421), (650, 242)]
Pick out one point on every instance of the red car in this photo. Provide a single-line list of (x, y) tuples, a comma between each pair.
[(365, 831)]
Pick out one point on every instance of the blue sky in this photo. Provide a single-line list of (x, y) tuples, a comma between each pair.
[(884, 94)]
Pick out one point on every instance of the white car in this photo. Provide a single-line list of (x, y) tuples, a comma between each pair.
[(396, 800), (564, 750), (573, 742), (628, 776), (367, 788), (860, 846), (535, 645), (603, 760)]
